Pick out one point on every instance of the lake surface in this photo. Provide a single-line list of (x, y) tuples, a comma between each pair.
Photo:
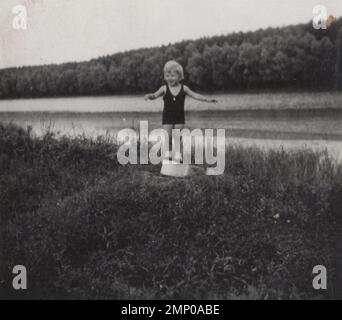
[(267, 120)]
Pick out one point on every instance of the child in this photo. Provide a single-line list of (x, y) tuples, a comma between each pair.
[(174, 94)]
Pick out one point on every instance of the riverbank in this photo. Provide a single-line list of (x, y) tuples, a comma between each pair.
[(86, 227)]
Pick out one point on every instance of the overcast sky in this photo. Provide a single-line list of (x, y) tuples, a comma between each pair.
[(76, 30)]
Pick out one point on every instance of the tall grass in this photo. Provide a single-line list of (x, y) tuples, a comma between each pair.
[(86, 227)]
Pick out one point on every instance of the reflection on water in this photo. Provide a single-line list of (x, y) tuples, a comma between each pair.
[(265, 121), (312, 132), (238, 101), (257, 124)]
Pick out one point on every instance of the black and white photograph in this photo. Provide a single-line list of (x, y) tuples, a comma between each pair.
[(170, 150)]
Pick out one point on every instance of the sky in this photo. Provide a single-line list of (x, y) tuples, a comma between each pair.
[(77, 30)]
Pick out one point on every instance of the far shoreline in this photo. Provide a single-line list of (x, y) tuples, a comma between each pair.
[(232, 92)]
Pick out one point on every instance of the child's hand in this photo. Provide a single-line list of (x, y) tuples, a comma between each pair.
[(213, 101), (149, 96)]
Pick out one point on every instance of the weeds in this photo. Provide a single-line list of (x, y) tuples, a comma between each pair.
[(86, 227)]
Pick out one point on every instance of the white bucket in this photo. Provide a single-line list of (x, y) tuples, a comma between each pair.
[(174, 169)]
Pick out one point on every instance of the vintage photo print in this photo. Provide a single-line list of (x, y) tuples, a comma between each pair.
[(170, 150)]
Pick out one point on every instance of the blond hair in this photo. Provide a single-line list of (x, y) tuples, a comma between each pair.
[(174, 66)]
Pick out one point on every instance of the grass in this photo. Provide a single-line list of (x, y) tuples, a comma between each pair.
[(86, 227)]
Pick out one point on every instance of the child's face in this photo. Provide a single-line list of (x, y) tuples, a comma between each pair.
[(171, 77)]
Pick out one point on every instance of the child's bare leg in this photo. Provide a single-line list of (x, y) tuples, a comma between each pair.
[(178, 149), (168, 130)]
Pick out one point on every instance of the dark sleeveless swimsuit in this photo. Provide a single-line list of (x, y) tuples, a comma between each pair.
[(173, 112)]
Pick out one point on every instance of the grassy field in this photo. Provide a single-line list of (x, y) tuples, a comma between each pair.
[(86, 227)]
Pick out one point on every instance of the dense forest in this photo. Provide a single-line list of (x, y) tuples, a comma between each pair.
[(295, 57)]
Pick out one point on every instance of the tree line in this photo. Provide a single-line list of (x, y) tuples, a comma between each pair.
[(274, 58)]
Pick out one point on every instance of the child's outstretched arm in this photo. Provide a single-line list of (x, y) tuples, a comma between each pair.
[(157, 94), (197, 96)]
